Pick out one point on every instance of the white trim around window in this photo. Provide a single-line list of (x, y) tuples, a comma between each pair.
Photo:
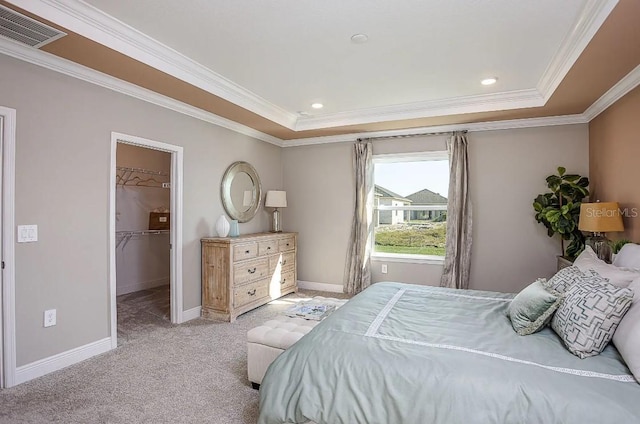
[(407, 258)]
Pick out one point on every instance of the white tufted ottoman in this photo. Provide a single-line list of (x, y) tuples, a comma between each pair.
[(267, 341)]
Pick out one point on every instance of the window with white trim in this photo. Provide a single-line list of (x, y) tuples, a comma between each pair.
[(410, 205)]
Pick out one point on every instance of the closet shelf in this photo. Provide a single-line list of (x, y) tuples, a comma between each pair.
[(125, 236), (141, 177)]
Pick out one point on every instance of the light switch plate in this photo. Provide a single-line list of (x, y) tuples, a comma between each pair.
[(384, 268), (27, 233)]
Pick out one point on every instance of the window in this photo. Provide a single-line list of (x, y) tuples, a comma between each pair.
[(410, 205)]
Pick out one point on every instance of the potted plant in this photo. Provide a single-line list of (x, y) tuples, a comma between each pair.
[(559, 209), (616, 245)]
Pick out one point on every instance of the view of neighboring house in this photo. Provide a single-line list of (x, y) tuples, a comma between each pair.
[(427, 197), (384, 197)]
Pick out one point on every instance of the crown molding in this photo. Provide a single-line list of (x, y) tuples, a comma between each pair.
[(98, 26), (72, 69), (591, 18), (102, 28), (615, 93), (459, 105), (473, 127)]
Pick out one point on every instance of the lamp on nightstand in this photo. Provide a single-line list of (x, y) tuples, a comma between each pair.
[(276, 199), (599, 218)]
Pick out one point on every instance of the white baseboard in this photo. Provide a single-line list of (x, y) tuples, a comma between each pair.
[(310, 285), (62, 360), (192, 313), (144, 285)]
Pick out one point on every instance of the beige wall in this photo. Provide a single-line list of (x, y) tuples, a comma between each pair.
[(614, 159), (62, 184), (508, 170)]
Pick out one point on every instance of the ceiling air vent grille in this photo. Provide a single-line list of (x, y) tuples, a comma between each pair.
[(25, 30)]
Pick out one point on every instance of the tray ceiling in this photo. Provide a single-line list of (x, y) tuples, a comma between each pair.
[(263, 63)]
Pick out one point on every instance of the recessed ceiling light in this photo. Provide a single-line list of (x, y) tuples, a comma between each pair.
[(489, 81), (359, 38), (317, 105)]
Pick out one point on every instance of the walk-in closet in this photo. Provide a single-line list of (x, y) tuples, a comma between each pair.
[(143, 197)]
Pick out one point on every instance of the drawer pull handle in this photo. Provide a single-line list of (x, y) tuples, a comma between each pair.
[(252, 292), (283, 281), (268, 247), (284, 262), (247, 251), (252, 271), (287, 244)]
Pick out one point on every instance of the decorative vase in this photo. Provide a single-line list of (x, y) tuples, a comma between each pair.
[(234, 231), (222, 226)]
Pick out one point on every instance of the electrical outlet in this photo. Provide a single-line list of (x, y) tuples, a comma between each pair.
[(384, 268), (49, 317)]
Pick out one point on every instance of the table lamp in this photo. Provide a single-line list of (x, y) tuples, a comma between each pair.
[(599, 218), (276, 199)]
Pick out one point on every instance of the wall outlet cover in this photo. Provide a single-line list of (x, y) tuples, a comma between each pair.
[(49, 317)]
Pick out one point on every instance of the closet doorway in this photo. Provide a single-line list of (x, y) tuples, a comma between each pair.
[(145, 231)]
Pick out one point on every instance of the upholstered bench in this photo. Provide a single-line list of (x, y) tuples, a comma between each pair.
[(267, 341)]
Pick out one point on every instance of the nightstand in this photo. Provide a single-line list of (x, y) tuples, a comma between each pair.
[(564, 262)]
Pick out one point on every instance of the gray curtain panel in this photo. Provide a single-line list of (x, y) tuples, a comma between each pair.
[(358, 267), (457, 261)]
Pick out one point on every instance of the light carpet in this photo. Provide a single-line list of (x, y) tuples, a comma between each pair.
[(195, 372)]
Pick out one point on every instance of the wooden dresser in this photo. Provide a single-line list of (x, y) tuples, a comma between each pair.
[(242, 273)]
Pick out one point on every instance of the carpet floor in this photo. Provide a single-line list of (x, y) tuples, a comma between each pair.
[(194, 372)]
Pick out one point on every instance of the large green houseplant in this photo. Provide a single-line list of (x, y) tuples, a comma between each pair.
[(559, 210)]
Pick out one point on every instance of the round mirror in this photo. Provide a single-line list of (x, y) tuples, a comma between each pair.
[(241, 191)]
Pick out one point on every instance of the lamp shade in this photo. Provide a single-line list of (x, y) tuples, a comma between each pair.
[(276, 199), (601, 217)]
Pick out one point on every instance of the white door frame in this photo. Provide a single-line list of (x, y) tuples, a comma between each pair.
[(175, 225), (8, 308)]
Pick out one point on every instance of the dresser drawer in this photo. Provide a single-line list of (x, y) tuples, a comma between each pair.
[(267, 247), (249, 293), (286, 261), (245, 251), (250, 271), (286, 244), (288, 279)]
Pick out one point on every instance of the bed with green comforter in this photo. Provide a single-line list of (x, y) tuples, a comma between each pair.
[(402, 354)]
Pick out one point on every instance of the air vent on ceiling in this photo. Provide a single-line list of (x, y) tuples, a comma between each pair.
[(25, 30)]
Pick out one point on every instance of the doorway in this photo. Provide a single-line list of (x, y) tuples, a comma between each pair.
[(152, 232), (7, 247)]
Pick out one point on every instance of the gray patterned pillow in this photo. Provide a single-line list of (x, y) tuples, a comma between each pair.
[(570, 275), (589, 315)]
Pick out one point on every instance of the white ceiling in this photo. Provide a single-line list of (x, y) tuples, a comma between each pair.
[(296, 52), (277, 57)]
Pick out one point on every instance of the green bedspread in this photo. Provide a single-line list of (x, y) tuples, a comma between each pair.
[(402, 354)]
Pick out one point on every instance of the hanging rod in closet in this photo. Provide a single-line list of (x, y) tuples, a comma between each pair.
[(125, 236), (126, 176), (142, 171)]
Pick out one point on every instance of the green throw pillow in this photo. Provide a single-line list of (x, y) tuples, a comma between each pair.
[(532, 308)]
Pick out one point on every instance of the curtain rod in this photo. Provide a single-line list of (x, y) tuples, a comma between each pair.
[(411, 135)]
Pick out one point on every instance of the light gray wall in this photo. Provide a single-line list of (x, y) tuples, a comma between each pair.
[(508, 170), (62, 184)]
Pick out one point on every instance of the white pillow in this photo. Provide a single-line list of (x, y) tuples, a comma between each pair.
[(627, 336), (620, 277), (628, 256)]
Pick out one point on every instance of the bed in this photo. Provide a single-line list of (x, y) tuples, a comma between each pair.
[(399, 353)]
